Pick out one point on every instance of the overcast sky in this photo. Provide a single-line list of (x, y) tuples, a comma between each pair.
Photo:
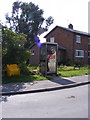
[(63, 12)]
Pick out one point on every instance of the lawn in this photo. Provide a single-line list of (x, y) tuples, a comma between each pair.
[(69, 71), (23, 78), (62, 71)]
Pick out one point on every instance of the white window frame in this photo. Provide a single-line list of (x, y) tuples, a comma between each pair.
[(88, 52), (52, 40), (32, 52), (78, 39), (82, 56), (89, 40)]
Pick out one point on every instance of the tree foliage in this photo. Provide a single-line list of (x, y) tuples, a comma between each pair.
[(28, 18), (13, 50)]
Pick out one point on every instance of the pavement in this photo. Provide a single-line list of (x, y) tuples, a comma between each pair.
[(42, 86)]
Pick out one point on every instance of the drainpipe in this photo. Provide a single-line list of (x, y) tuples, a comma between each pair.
[(73, 47)]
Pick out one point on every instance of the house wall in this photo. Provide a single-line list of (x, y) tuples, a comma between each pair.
[(67, 39), (83, 45), (63, 38), (89, 50), (34, 59)]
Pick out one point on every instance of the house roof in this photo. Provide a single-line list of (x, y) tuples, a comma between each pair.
[(32, 45), (68, 29), (61, 47)]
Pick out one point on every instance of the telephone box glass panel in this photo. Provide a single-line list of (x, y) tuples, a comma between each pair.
[(51, 58)]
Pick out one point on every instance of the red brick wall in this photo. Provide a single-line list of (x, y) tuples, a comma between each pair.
[(83, 45), (89, 50), (34, 59), (65, 38)]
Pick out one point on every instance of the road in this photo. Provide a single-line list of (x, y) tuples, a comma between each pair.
[(66, 103)]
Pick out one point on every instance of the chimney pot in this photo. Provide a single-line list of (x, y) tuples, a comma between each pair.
[(70, 26)]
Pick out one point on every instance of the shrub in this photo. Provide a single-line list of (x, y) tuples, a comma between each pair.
[(13, 50), (23, 69), (69, 62)]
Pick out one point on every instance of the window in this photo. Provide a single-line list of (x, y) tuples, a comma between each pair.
[(79, 53), (88, 54), (52, 39), (32, 52), (88, 40), (78, 39)]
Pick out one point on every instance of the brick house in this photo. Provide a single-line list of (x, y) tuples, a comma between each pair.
[(73, 45), (76, 44), (34, 59)]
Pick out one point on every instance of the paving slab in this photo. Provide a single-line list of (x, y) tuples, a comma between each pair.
[(57, 82)]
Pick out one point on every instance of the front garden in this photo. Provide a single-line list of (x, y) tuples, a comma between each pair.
[(34, 75), (69, 71)]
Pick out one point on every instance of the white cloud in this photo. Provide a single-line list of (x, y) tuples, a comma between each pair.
[(63, 11)]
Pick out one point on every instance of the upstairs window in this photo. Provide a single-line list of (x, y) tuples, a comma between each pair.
[(78, 39), (79, 53), (89, 40), (52, 39)]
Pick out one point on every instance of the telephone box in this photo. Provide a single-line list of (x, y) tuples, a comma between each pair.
[(48, 58)]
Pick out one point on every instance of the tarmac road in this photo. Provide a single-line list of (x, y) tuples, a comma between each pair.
[(66, 103)]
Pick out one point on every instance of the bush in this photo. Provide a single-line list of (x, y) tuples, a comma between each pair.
[(78, 63), (34, 70), (69, 63), (23, 69), (61, 63), (13, 50)]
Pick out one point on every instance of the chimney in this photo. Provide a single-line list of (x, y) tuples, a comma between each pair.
[(70, 26)]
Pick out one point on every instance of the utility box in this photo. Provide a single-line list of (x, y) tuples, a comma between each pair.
[(13, 70), (48, 58)]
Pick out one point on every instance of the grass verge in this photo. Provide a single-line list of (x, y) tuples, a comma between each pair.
[(23, 78), (69, 71), (62, 71)]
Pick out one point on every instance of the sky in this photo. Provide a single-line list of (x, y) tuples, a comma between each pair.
[(64, 12)]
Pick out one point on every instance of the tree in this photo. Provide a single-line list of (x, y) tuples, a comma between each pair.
[(28, 18), (13, 50)]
